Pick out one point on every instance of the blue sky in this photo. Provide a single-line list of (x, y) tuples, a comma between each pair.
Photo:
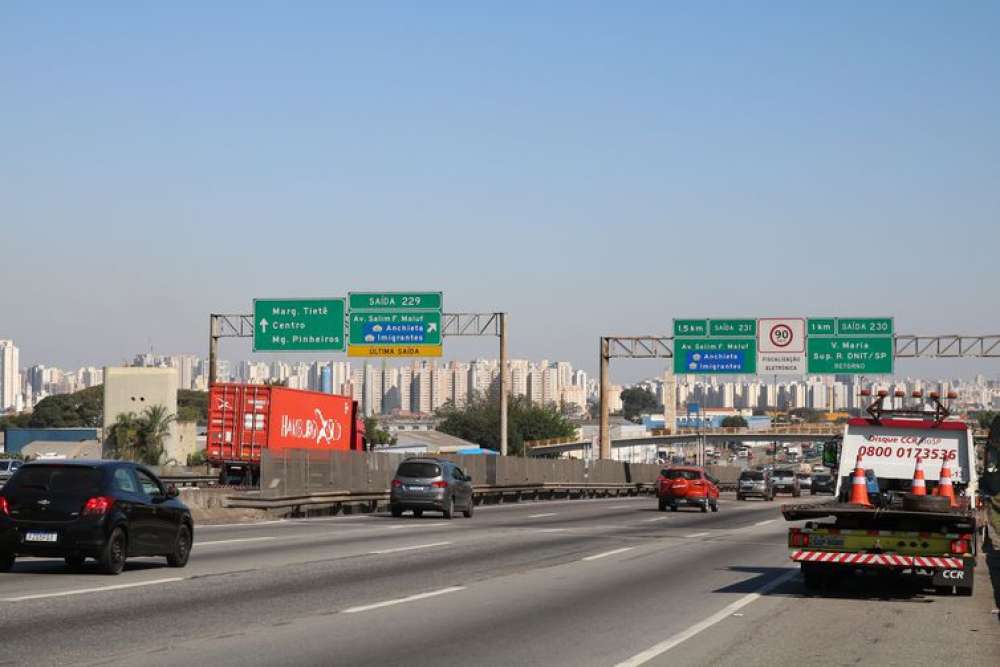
[(591, 168)]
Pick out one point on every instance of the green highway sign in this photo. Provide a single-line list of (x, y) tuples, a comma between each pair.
[(735, 328), (395, 324), (690, 327), (864, 326), (298, 325), (857, 355), (380, 301), (709, 356), (826, 326)]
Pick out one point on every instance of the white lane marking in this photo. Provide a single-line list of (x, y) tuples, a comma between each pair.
[(411, 598), (410, 548), (608, 553), (694, 535), (684, 635), (656, 518), (764, 523), (101, 589), (551, 530), (539, 516), (415, 525), (249, 524), (234, 541)]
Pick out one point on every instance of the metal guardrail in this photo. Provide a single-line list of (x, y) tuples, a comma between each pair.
[(480, 495), (191, 480)]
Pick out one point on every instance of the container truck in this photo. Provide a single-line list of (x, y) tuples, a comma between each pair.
[(900, 533), (244, 420)]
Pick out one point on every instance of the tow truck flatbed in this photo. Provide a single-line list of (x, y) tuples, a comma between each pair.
[(848, 511)]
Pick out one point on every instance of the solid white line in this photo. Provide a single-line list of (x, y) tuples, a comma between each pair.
[(684, 635), (414, 525), (655, 518), (539, 516), (764, 523), (234, 541), (693, 535), (389, 603), (81, 591), (410, 548), (608, 553), (551, 530)]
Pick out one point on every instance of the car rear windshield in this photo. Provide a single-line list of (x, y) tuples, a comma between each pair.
[(681, 474), (752, 474), (783, 474), (417, 469), (822, 478), (4, 465), (57, 479)]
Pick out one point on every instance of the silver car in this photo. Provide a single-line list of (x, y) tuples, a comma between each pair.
[(430, 484), (7, 469)]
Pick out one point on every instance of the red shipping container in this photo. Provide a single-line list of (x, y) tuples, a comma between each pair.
[(245, 419)]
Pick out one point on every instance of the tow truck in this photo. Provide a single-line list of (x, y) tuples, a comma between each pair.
[(901, 533)]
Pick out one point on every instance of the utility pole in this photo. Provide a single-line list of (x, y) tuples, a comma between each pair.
[(504, 383), (213, 350), (605, 449)]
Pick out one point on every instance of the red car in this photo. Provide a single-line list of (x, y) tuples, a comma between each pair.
[(687, 485)]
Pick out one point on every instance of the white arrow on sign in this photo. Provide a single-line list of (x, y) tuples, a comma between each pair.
[(263, 325), (432, 327)]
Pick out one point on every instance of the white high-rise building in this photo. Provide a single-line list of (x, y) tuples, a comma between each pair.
[(10, 378)]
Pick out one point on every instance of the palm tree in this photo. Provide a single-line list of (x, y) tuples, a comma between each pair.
[(154, 428), (125, 435)]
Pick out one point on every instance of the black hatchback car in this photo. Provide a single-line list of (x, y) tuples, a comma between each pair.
[(106, 510)]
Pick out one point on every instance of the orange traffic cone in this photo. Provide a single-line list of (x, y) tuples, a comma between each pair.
[(944, 488), (919, 486), (859, 486)]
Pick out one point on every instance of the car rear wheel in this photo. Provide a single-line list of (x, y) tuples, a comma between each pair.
[(75, 561), (467, 512), (6, 562), (418, 513), (449, 510), (704, 507), (396, 510), (112, 558), (740, 496), (715, 506), (663, 505), (673, 507), (182, 549)]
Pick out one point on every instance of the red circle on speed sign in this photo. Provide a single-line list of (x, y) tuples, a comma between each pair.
[(781, 335)]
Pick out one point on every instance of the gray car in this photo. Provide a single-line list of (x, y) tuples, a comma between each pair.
[(7, 469), (426, 483), (755, 483)]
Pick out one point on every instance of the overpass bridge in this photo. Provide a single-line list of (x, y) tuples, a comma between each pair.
[(779, 434)]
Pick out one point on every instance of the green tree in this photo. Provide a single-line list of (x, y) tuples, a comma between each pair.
[(985, 418), (637, 401), (82, 408), (479, 422), (734, 421), (141, 438), (376, 435), (192, 406)]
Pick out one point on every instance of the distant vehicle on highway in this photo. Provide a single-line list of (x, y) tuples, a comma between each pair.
[(427, 483), (822, 483), (785, 481), (7, 468), (106, 510), (805, 480), (687, 485), (755, 483)]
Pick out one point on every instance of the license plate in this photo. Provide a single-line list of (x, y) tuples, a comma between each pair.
[(36, 536), (416, 488)]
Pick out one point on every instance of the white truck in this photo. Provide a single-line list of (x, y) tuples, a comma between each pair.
[(901, 533)]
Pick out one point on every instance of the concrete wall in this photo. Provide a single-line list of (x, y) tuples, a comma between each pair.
[(187, 443), (134, 390)]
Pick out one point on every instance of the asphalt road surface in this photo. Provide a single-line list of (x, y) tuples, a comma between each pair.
[(598, 582)]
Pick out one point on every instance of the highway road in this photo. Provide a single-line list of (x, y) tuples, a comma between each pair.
[(598, 582)]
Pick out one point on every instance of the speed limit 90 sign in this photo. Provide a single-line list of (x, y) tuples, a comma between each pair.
[(785, 334)]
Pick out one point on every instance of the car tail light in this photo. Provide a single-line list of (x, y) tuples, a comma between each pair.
[(98, 505), (397, 483), (798, 539), (4, 506), (960, 546), (440, 484)]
